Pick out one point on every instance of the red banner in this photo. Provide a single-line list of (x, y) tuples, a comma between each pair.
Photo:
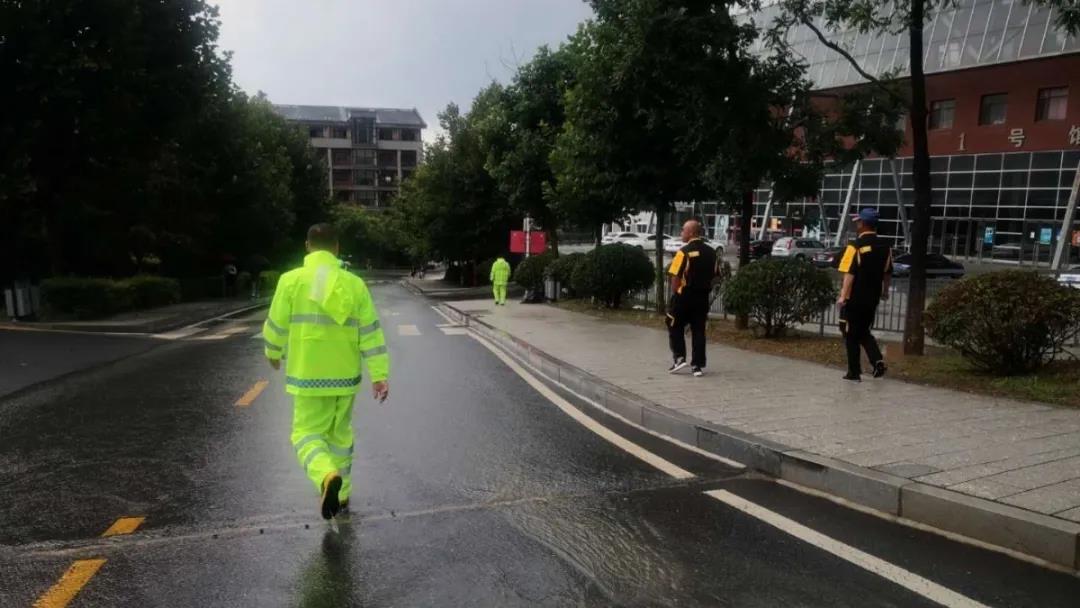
[(537, 242)]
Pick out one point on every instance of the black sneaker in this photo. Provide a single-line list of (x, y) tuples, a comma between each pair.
[(679, 363), (697, 371), (879, 369), (852, 378)]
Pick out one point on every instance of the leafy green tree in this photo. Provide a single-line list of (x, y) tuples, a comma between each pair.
[(899, 16), (519, 129)]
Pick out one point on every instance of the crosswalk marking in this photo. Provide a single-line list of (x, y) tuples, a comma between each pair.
[(408, 330)]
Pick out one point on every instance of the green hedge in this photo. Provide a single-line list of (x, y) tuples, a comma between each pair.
[(268, 281), (530, 272), (1008, 322), (88, 298), (610, 272), (776, 293)]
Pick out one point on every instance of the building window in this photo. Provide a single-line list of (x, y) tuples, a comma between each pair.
[(316, 132), (341, 157), (362, 129), (388, 158), (408, 158), (342, 177), (365, 178), (389, 134), (339, 133), (1052, 104), (410, 135), (366, 197), (993, 109), (942, 113), (365, 157), (344, 196)]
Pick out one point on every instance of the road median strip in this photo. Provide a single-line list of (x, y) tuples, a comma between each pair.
[(1011, 529)]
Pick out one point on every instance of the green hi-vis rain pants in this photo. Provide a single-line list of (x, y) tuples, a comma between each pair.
[(322, 435)]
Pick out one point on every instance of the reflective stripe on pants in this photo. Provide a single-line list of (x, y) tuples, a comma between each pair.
[(322, 436)]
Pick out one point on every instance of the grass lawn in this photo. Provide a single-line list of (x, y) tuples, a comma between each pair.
[(1058, 383)]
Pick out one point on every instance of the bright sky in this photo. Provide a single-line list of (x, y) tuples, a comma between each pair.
[(404, 53)]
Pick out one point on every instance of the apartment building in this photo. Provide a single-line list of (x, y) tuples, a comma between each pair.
[(369, 152)]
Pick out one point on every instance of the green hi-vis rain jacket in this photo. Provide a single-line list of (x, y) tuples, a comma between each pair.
[(322, 320), (500, 272)]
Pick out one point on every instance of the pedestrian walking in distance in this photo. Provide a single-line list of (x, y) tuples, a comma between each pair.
[(692, 271), (323, 322), (867, 269), (500, 276)]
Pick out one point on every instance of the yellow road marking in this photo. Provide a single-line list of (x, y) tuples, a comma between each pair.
[(69, 585), (124, 525), (252, 394)]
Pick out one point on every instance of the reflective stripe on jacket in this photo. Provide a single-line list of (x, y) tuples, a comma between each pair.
[(323, 321)]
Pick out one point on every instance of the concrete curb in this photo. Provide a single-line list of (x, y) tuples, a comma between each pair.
[(459, 293), (1048, 538), (135, 329)]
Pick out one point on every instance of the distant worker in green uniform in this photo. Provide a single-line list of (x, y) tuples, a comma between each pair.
[(500, 276), (323, 322)]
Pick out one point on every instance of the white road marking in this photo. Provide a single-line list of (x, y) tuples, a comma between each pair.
[(454, 331), (909, 580), (408, 330), (618, 440), (257, 335), (442, 314), (179, 334)]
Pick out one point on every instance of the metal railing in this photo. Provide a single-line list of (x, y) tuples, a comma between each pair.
[(891, 313)]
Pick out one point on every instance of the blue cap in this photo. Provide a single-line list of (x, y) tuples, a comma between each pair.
[(868, 216)]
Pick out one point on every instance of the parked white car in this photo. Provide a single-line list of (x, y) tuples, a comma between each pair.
[(671, 246), (794, 247), (621, 237), (1070, 277), (642, 240)]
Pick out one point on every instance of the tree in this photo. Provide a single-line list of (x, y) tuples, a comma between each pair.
[(519, 129), (883, 18), (452, 203)]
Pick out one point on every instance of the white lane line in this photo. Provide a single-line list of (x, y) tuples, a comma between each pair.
[(408, 330), (909, 580), (179, 334), (442, 314), (257, 335), (618, 440), (454, 331)]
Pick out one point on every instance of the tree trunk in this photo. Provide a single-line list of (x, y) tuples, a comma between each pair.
[(553, 241), (746, 213), (661, 301), (920, 229), (599, 235)]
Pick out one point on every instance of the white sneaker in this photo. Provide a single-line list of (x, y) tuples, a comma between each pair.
[(698, 372), (677, 365)]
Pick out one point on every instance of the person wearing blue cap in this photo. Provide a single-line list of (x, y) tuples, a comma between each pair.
[(867, 269)]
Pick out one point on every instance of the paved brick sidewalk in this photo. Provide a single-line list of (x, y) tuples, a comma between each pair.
[(1017, 453)]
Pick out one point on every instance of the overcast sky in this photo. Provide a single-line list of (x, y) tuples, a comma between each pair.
[(404, 53)]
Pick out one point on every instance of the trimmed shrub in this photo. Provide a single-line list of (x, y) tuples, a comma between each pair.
[(610, 272), (562, 271), (84, 298), (777, 293), (483, 272), (1009, 322), (530, 272), (149, 291), (268, 281)]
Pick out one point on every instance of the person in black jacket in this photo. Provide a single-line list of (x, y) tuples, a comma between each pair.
[(692, 271), (867, 269)]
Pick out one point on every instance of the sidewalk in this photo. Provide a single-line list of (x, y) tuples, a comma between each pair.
[(154, 320), (1003, 471)]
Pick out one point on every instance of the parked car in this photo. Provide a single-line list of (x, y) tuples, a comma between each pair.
[(937, 266), (648, 241), (761, 249), (621, 237), (1070, 277), (828, 258), (673, 245), (792, 247)]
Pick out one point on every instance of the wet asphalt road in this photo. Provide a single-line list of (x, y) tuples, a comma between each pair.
[(472, 489)]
